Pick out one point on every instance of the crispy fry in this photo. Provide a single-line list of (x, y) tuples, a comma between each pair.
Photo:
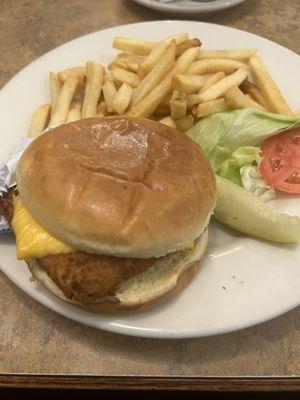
[(74, 113), (166, 101), (109, 92), (189, 83), (194, 111), (236, 54), (63, 102), (149, 103), (185, 123), (178, 105), (251, 89), (268, 87), (215, 65), (101, 109), (139, 47), (211, 107), (158, 52), (194, 99), (157, 74), (79, 72), (212, 80), (124, 76), (39, 120), (236, 99), (127, 61), (108, 77), (133, 63), (219, 88), (55, 86), (168, 121), (94, 75), (122, 98), (187, 44)]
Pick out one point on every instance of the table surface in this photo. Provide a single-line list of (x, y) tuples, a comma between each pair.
[(35, 340)]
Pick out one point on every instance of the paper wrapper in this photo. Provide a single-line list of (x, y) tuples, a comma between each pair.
[(8, 175)]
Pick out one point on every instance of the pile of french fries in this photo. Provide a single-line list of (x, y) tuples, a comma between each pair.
[(173, 81)]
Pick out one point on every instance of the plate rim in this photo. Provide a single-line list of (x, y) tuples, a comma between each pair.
[(218, 5)]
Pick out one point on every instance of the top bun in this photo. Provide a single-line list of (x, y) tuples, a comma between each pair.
[(128, 187)]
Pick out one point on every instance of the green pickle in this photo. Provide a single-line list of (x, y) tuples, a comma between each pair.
[(246, 213)]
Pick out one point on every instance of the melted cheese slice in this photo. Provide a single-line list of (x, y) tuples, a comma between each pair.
[(32, 240)]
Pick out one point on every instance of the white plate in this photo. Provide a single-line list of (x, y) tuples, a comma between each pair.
[(242, 281), (188, 7)]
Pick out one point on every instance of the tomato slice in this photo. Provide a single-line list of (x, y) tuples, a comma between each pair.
[(280, 165)]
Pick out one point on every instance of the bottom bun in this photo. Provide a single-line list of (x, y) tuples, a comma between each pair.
[(159, 283)]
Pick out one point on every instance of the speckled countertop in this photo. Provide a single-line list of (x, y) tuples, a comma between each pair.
[(34, 339)]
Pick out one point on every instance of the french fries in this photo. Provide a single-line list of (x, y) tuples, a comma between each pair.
[(109, 92), (211, 107), (166, 101), (101, 109), (138, 47), (158, 52), (189, 83), (196, 98), (127, 61), (74, 113), (149, 103), (173, 81), (237, 99), (124, 76), (168, 121), (122, 99), (239, 55), (268, 87), (178, 105), (251, 89), (219, 88), (63, 102), (212, 80), (187, 44), (94, 75), (157, 74), (79, 72), (185, 123), (39, 120), (215, 65), (55, 86)]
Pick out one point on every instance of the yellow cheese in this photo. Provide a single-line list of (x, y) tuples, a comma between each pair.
[(32, 240)]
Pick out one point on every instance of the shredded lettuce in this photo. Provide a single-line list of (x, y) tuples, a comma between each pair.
[(242, 169), (253, 182)]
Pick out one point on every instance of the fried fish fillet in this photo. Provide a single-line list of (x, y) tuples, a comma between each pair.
[(81, 276)]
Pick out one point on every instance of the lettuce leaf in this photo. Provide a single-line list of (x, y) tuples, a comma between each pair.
[(230, 170), (223, 133), (245, 155)]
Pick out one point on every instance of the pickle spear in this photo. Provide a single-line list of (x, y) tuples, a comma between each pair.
[(246, 213)]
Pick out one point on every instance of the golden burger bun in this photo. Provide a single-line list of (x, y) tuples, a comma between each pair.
[(128, 187)]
